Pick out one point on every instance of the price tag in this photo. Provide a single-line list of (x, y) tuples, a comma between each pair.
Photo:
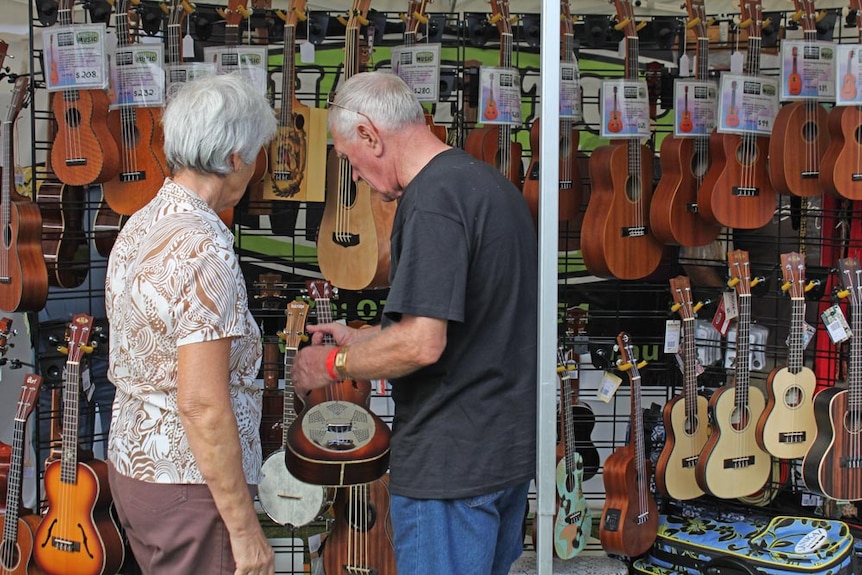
[(306, 52), (725, 313), (137, 76), (848, 76), (75, 57), (684, 66), (696, 103), (625, 109), (747, 104), (419, 67), (807, 70), (836, 324), (608, 386), (500, 95), (178, 74), (249, 61), (571, 106), (671, 335)]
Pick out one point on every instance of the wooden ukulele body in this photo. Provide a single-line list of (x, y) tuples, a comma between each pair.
[(799, 139), (789, 413), (569, 173), (25, 285), (63, 238), (22, 559), (621, 531), (484, 144), (841, 167), (685, 438), (84, 151)]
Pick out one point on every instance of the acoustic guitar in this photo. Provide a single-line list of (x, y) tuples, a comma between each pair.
[(799, 135), (353, 243), (787, 427), (629, 523), (732, 464), (737, 191), (77, 533), (686, 418), (794, 80), (23, 274), (841, 167), (84, 151), (16, 549), (336, 440), (833, 464), (285, 499), (616, 240), (140, 139), (848, 82), (674, 214), (493, 144), (569, 186), (615, 122)]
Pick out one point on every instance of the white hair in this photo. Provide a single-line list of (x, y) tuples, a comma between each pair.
[(382, 97)]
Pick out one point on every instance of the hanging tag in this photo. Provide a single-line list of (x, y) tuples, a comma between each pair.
[(684, 67), (737, 60), (621, 49), (188, 46), (608, 386), (836, 324), (671, 335), (306, 52), (87, 384), (725, 313)]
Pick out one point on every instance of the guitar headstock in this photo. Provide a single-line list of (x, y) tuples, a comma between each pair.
[(78, 338), (739, 271), (28, 396), (851, 279), (680, 289), (177, 13), (567, 22), (235, 12), (294, 326), (793, 271), (295, 12), (500, 17), (319, 289), (415, 16), (807, 14), (626, 18), (697, 17), (628, 361), (752, 17), (19, 94)]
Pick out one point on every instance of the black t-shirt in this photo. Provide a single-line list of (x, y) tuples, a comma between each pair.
[(464, 250)]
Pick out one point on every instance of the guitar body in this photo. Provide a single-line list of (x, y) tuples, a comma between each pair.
[(288, 152), (287, 500), (84, 151), (26, 276), (798, 140), (674, 215), (361, 538), (64, 242), (143, 168), (16, 557), (353, 242), (833, 465), (573, 521), (732, 464), (77, 534), (106, 226), (484, 144), (583, 421), (438, 130), (787, 427), (841, 168), (620, 530), (613, 208), (569, 173), (685, 439), (736, 191)]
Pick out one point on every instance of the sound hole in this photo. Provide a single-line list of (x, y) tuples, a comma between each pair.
[(793, 396), (859, 134), (809, 131), (10, 555), (853, 421), (739, 418), (299, 121), (131, 134), (73, 117), (747, 152), (699, 164), (633, 188), (691, 425)]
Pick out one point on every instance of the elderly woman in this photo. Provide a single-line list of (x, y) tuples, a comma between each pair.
[(184, 449)]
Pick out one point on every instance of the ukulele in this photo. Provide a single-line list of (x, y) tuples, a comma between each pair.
[(573, 520), (736, 191), (833, 464), (674, 214), (629, 522), (140, 139), (83, 151), (686, 419), (493, 144), (798, 135), (16, 549), (336, 440), (615, 239), (5, 332), (361, 538), (570, 188), (23, 274), (732, 116), (285, 499), (415, 16), (615, 123), (582, 416), (794, 80), (353, 242), (786, 428), (685, 123), (490, 112), (288, 150), (77, 533), (848, 83), (732, 464), (841, 167)]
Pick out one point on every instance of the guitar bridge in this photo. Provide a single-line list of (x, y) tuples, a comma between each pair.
[(691, 208), (358, 570), (282, 175), (634, 232), (345, 240), (792, 437), (856, 177), (135, 176), (850, 463), (746, 191), (612, 519), (810, 175), (65, 545), (738, 462), (689, 462), (76, 161)]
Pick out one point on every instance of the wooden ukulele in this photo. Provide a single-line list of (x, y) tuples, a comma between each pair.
[(570, 187), (493, 144), (582, 416), (16, 549), (336, 440), (841, 167), (615, 238), (84, 151), (731, 463), (786, 428), (686, 418), (361, 537), (848, 83), (732, 117), (833, 464), (615, 122), (140, 139), (23, 274), (285, 499), (629, 523), (414, 17), (5, 332), (77, 533), (736, 191), (685, 123), (490, 112), (674, 214), (794, 80), (573, 520), (353, 243), (799, 137)]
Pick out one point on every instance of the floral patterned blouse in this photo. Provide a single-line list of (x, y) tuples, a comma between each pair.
[(173, 279)]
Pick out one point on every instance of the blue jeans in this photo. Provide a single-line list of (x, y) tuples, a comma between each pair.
[(480, 535)]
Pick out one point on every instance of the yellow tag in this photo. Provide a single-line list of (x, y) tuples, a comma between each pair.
[(608, 386)]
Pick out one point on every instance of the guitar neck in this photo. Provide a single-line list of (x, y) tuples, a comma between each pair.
[(795, 339), (13, 485), (505, 134), (289, 415), (639, 445), (288, 80), (854, 371), (742, 374), (71, 395), (752, 66), (689, 368)]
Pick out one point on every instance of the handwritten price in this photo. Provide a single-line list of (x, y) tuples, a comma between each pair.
[(86, 74)]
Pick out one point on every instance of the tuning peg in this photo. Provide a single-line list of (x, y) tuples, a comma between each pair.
[(757, 280), (811, 285), (642, 364), (732, 282), (63, 349), (786, 286), (843, 293), (620, 25), (88, 348), (699, 305), (797, 16), (675, 307), (692, 23), (624, 366)]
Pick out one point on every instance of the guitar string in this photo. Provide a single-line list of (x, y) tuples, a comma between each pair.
[(854, 397), (351, 66), (641, 478), (69, 99), (634, 144), (126, 112), (13, 494), (504, 134)]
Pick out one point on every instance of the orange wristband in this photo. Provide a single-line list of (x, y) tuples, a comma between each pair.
[(330, 364)]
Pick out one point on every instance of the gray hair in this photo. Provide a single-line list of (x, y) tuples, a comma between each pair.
[(382, 97), (212, 117)]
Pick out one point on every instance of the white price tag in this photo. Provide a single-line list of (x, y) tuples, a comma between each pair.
[(608, 386), (671, 335)]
